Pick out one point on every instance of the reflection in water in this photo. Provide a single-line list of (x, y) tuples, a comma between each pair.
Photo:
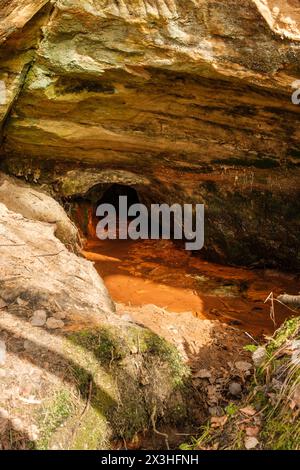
[(159, 272)]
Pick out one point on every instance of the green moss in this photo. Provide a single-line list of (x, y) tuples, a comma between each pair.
[(281, 433), (250, 347), (106, 345), (157, 346), (118, 362), (131, 418), (288, 330), (231, 409), (53, 415), (92, 432)]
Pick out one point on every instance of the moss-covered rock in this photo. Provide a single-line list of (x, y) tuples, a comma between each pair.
[(120, 377)]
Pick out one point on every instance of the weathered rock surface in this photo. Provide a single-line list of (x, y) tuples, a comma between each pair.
[(38, 268), (194, 96), (37, 205), (74, 383)]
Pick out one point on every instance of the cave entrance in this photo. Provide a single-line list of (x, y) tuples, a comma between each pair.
[(112, 194), (143, 273), (83, 209)]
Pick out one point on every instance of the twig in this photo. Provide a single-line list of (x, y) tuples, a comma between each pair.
[(272, 309), (251, 337), (289, 308)]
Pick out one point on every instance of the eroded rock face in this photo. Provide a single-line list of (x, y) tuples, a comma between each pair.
[(38, 269), (63, 351), (193, 95), (37, 205)]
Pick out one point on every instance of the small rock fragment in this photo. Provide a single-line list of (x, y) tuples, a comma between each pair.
[(259, 356), (2, 353), (38, 318), (235, 388), (251, 442), (59, 315), (53, 323)]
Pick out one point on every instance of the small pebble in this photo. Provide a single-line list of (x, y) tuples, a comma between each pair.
[(53, 323), (59, 315), (38, 318)]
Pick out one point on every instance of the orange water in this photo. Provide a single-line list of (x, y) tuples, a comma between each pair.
[(159, 272)]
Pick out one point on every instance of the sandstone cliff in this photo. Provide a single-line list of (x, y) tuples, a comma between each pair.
[(193, 95)]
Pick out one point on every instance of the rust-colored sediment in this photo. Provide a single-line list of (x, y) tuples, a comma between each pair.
[(159, 272)]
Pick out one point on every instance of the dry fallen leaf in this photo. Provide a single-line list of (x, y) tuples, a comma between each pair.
[(218, 421), (251, 442), (248, 411), (252, 431)]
